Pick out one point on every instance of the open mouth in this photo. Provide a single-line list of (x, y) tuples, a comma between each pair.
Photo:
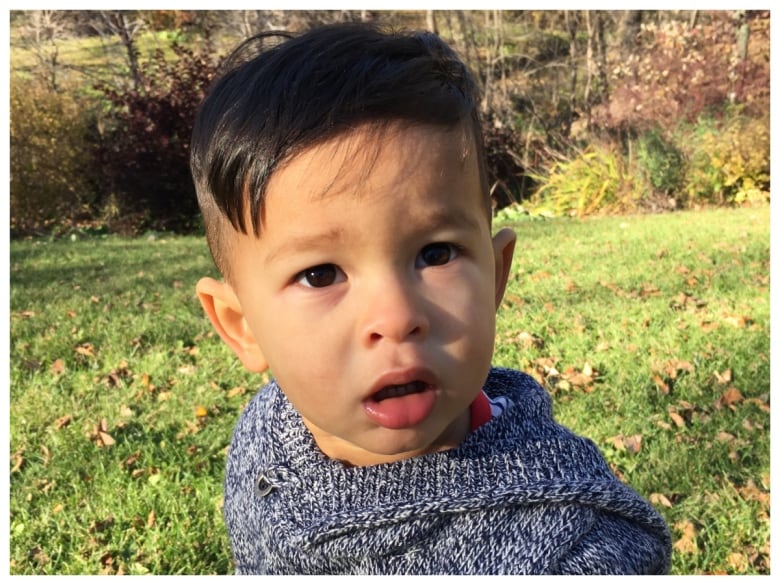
[(402, 399), (396, 391)]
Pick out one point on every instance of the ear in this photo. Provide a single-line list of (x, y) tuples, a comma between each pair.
[(224, 311), (503, 250)]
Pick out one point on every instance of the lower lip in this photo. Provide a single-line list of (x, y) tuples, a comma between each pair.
[(401, 412)]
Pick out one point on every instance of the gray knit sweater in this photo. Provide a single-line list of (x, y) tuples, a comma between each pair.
[(521, 494)]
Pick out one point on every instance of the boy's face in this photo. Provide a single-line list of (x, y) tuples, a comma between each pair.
[(371, 292)]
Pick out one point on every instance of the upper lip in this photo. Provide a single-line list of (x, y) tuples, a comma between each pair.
[(402, 376)]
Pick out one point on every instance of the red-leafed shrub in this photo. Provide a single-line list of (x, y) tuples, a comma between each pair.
[(143, 152)]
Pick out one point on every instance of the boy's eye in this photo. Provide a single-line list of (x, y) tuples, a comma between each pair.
[(436, 254), (319, 276)]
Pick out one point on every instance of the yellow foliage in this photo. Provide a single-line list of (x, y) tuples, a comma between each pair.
[(49, 153)]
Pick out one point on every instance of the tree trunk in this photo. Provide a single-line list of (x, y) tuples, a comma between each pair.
[(571, 25), (430, 21), (628, 30)]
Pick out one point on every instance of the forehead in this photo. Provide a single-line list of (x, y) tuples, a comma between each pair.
[(373, 157)]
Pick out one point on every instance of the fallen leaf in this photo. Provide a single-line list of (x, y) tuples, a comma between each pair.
[(709, 326), (529, 340), (38, 556), (738, 562), (725, 437), (729, 398), (18, 461), (201, 411), (632, 444), (541, 275), (63, 421), (686, 544), (735, 320), (761, 403), (151, 519), (237, 391), (106, 439), (724, 377), (662, 385), (86, 349), (674, 366), (57, 366), (677, 419), (660, 500)]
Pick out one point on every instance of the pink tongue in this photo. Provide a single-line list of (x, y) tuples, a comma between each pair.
[(401, 412)]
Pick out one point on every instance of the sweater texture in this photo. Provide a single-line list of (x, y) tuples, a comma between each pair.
[(521, 495)]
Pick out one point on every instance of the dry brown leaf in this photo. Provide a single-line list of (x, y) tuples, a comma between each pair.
[(632, 444), (725, 437), (677, 419), (660, 500), (18, 461), (86, 349), (662, 385), (237, 391), (729, 398), (738, 562), (57, 366), (529, 340), (541, 275), (673, 367), (63, 421), (151, 519), (105, 439), (686, 544), (724, 377), (761, 403), (709, 326), (38, 556), (735, 320)]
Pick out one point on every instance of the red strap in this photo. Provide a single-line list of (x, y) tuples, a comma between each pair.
[(480, 411)]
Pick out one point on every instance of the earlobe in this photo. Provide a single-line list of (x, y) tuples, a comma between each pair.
[(223, 309), (503, 250)]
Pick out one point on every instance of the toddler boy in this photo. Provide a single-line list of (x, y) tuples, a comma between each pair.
[(343, 187)]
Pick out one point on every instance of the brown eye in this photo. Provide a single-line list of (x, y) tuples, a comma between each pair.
[(436, 254), (319, 276)]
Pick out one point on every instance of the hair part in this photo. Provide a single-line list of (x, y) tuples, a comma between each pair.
[(270, 104)]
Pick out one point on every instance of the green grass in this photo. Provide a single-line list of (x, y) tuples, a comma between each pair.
[(640, 319)]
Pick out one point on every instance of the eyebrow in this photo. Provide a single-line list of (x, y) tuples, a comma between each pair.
[(437, 219), (305, 242)]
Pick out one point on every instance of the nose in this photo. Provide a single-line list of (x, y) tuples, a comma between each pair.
[(394, 311)]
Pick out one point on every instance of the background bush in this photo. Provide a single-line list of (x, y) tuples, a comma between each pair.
[(671, 104), (50, 158), (728, 160)]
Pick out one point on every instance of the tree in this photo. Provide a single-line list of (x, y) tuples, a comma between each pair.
[(126, 25)]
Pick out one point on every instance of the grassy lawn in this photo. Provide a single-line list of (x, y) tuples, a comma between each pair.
[(651, 333)]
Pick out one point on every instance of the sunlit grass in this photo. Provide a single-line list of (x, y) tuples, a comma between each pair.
[(123, 400)]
